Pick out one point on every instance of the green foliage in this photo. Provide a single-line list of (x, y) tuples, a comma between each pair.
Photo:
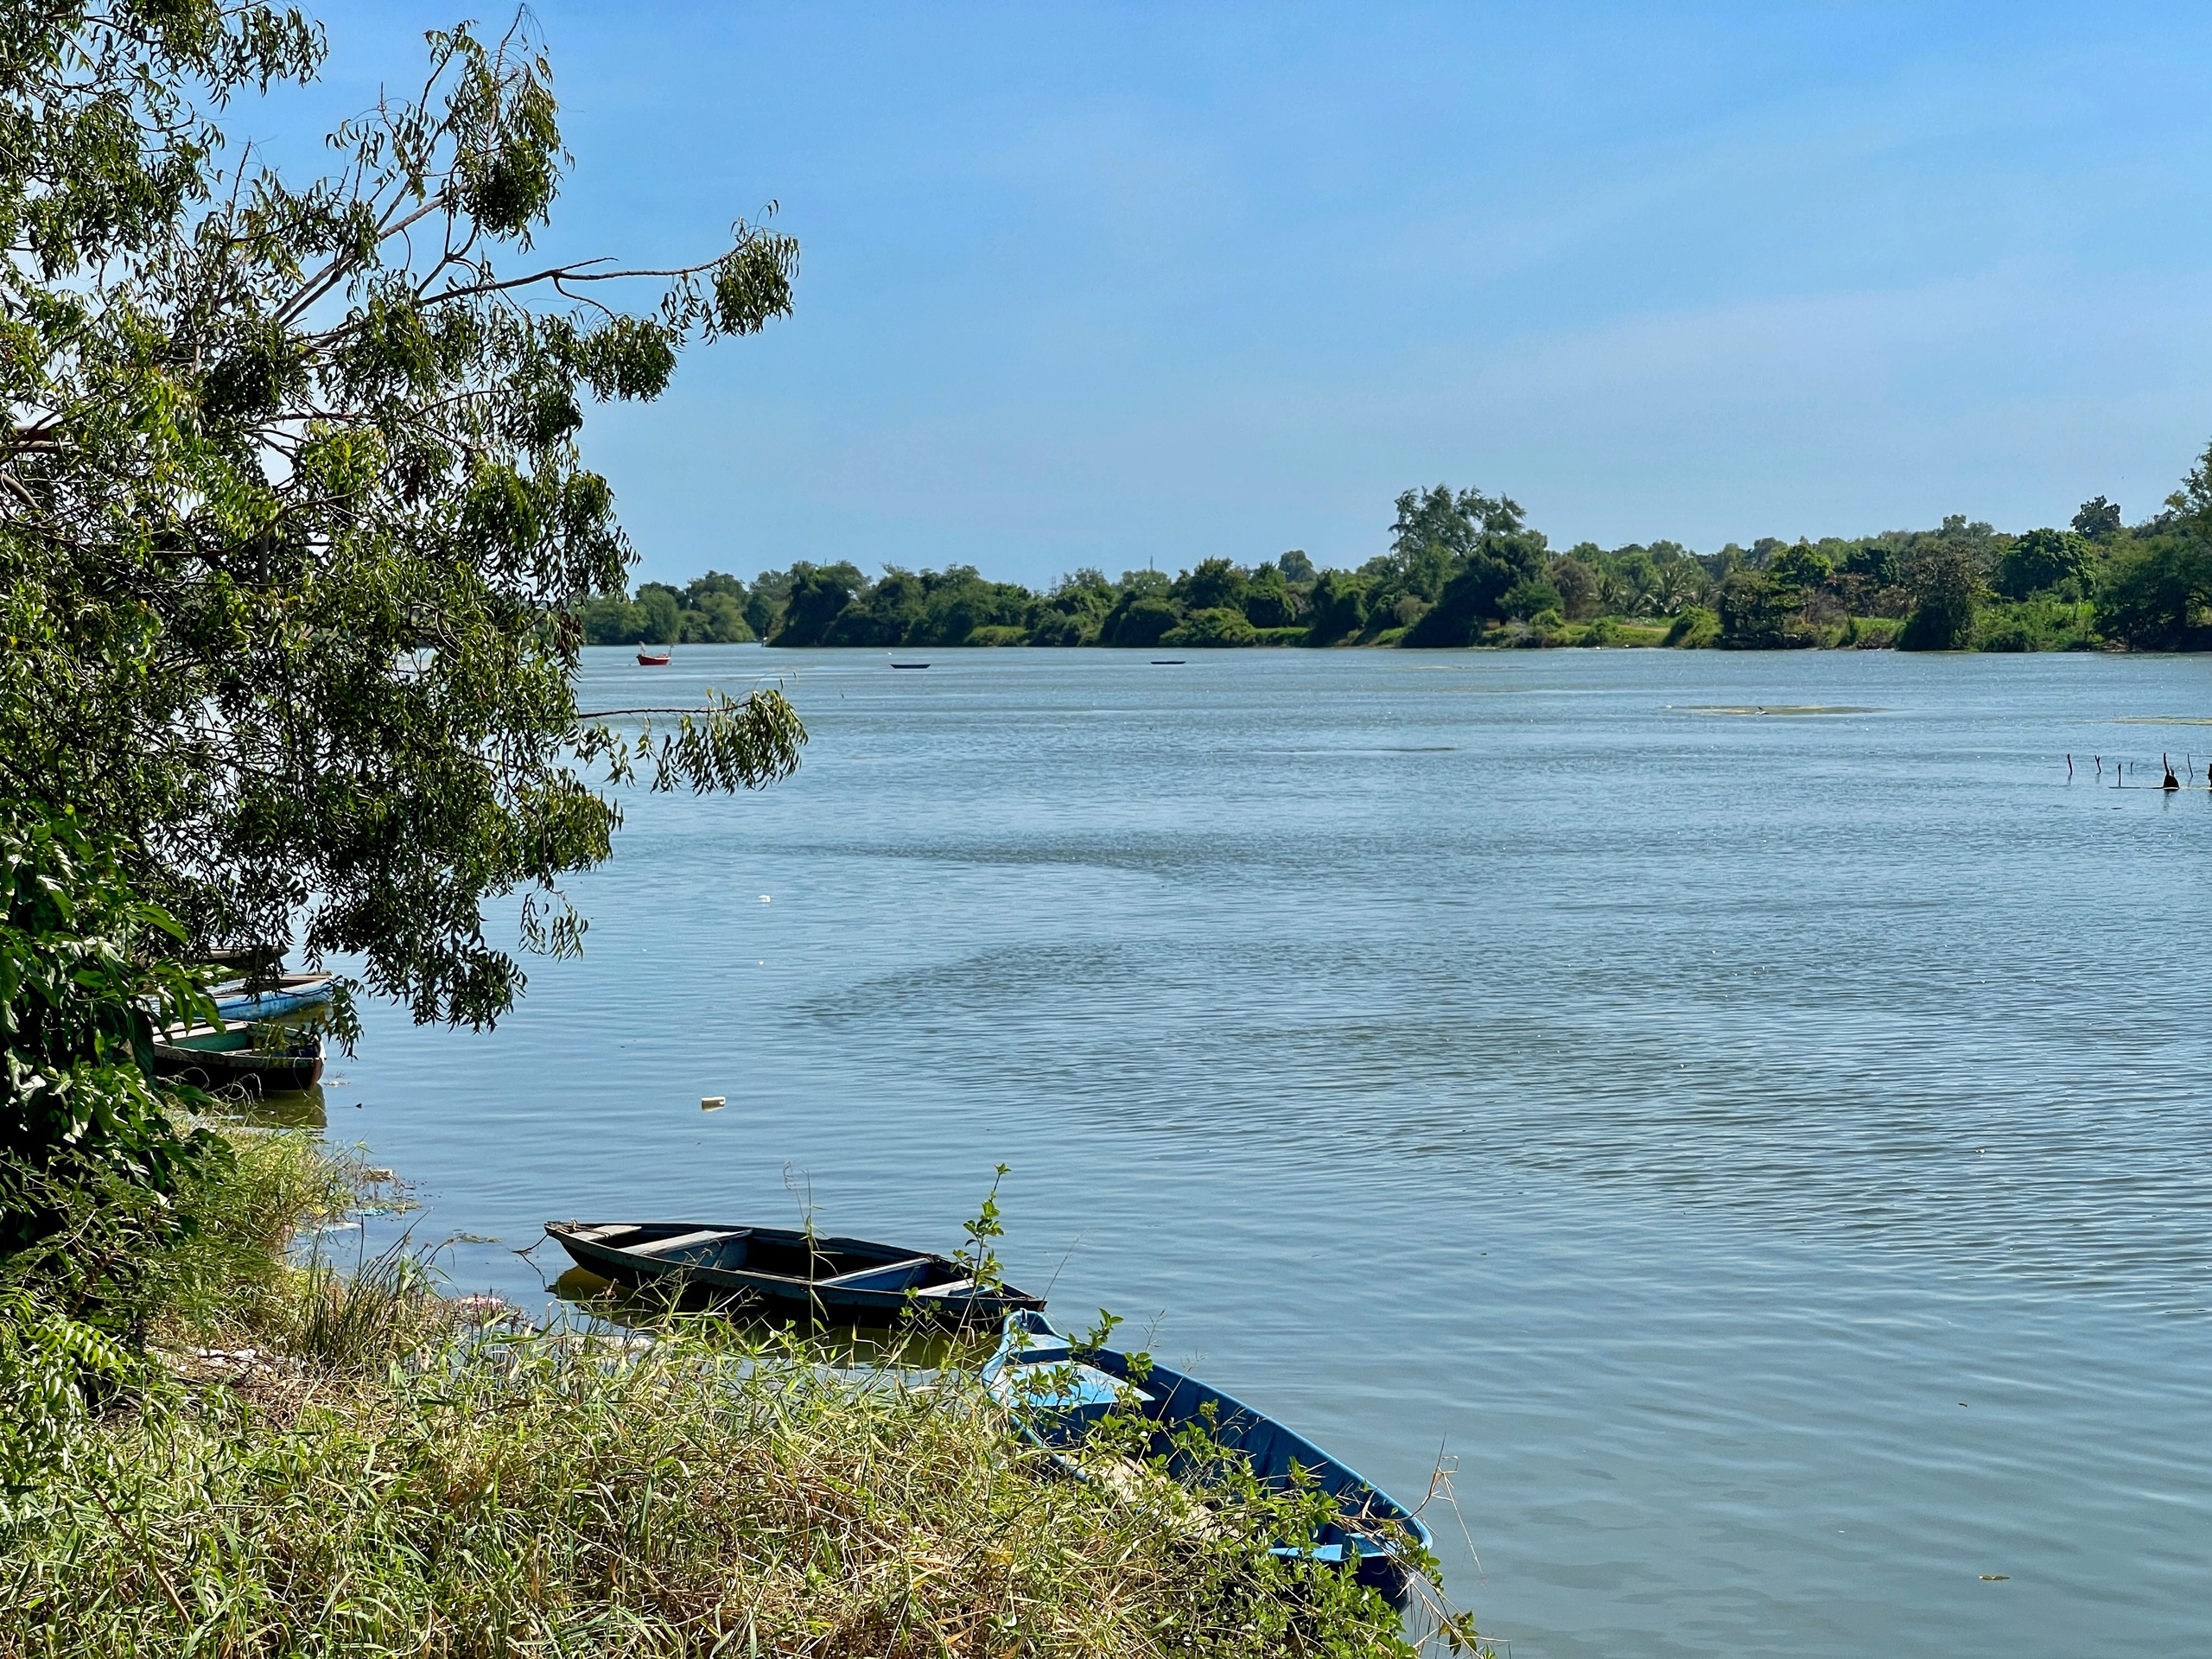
[(2040, 624), (1694, 629), (1580, 593), (87, 971), (1945, 581), (52, 1371), (1216, 584), (2043, 560), (291, 510), (2156, 593), (1761, 612), (1338, 606), (816, 597), (1528, 599), (1139, 621), (1218, 626), (2098, 520)]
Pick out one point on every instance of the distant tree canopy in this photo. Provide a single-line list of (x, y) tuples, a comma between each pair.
[(1464, 567)]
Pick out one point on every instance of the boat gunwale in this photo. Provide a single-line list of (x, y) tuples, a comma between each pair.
[(1006, 1300), (1390, 1509)]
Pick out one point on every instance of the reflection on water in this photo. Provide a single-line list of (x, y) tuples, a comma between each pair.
[(1770, 1153), (300, 1108)]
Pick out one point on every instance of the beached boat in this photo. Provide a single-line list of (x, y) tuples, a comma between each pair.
[(772, 1270), (248, 1058), (247, 999), (1056, 1394), (653, 659)]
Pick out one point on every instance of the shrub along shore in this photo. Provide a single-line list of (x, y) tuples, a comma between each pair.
[(266, 1458), (1465, 568)]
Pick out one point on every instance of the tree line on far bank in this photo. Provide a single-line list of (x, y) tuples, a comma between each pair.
[(1465, 569)]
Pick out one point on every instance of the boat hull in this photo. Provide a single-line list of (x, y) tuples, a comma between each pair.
[(1059, 1421), (226, 1062), (787, 1274), (290, 995)]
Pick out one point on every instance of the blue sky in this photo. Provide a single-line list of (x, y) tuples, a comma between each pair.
[(1112, 285)]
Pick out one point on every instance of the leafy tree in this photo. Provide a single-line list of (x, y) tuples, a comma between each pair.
[(1216, 626), (1338, 604), (1475, 595), (817, 597), (1139, 620), (1575, 585), (1270, 601), (1528, 599), (663, 611), (1760, 612), (2098, 520), (2155, 590), (886, 614), (1216, 584), (2042, 559), (612, 619), (291, 511), (87, 970), (1297, 570), (1438, 532), (1944, 578), (1677, 584), (1802, 569)]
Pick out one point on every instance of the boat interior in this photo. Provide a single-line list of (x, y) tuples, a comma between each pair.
[(1066, 1396), (848, 1263)]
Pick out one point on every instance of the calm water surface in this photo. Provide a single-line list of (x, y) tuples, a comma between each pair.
[(1770, 1152)]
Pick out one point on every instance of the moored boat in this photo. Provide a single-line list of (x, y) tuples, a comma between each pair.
[(247, 999), (1057, 1393), (653, 659), (252, 1058), (790, 1274)]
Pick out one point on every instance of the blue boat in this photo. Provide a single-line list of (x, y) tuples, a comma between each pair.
[(1056, 1396), (264, 999)]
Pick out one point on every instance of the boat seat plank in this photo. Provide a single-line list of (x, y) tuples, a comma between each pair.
[(958, 1287), (858, 1278), (662, 1246)]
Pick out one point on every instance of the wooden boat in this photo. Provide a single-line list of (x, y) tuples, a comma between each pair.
[(248, 1058), (247, 999), (653, 659), (1056, 1396), (772, 1270)]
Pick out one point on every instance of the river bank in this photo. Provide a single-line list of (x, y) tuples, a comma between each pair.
[(300, 1458)]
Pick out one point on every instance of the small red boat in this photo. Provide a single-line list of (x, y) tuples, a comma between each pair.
[(653, 659)]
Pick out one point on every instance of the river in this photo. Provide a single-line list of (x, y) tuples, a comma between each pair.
[(1768, 1151)]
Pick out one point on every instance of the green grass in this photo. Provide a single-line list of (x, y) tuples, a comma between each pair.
[(306, 1461)]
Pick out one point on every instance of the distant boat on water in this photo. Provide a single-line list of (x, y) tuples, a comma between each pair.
[(653, 659)]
